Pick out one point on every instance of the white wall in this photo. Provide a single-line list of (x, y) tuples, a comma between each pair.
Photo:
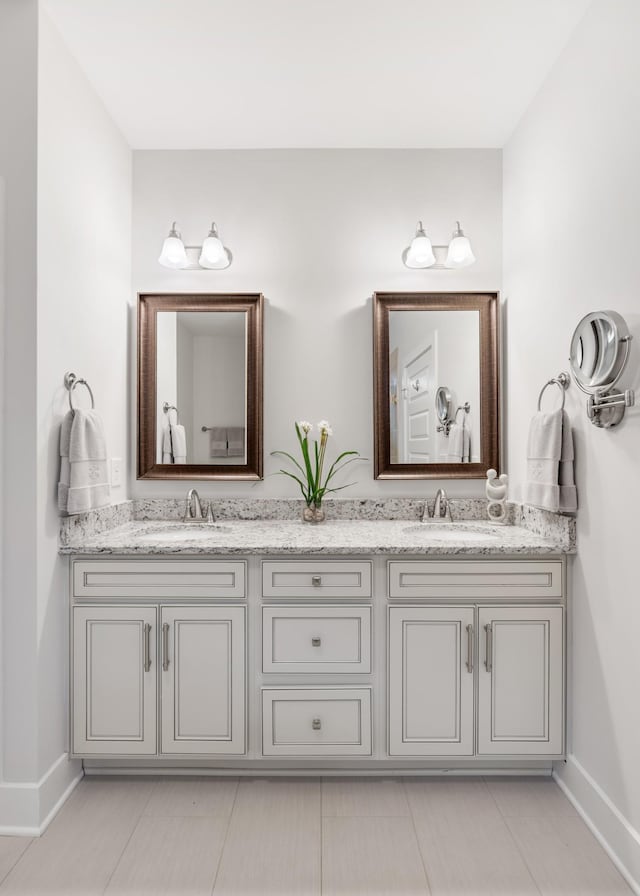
[(317, 231), (217, 360), (571, 225), (79, 323), (18, 114)]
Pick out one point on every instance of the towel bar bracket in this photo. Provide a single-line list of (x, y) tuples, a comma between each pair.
[(607, 409)]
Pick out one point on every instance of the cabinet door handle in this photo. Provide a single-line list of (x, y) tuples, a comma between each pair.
[(316, 642), (316, 724), (146, 646), (488, 647), (316, 581), (165, 646), (469, 648)]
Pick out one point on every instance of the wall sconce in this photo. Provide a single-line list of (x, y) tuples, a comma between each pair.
[(421, 254), (212, 255)]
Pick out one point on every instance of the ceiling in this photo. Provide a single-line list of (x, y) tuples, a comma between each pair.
[(221, 74)]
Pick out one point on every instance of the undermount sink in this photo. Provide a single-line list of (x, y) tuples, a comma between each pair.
[(160, 531), (450, 531)]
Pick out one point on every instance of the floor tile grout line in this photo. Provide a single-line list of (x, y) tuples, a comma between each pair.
[(129, 838), (226, 835), (515, 842), (415, 834), (19, 859)]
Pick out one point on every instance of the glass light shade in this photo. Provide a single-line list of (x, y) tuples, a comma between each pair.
[(420, 252), (212, 251), (460, 254), (173, 253)]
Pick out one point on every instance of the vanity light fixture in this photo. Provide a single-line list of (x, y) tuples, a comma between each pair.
[(212, 255), (422, 254)]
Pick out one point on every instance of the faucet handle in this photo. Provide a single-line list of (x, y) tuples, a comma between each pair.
[(210, 517)]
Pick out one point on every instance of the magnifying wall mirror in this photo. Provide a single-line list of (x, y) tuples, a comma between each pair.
[(435, 385), (200, 387), (599, 353)]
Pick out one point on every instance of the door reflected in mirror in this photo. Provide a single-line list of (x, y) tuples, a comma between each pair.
[(435, 385), (201, 375)]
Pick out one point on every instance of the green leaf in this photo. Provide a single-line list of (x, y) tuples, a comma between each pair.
[(290, 457)]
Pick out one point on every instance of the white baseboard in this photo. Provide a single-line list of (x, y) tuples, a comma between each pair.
[(26, 808), (614, 832)]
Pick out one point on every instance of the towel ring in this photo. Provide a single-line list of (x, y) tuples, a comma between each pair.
[(71, 381), (167, 408), (561, 381)]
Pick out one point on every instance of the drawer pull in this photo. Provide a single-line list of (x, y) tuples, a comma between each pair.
[(165, 646), (146, 646), (316, 642), (488, 649), (316, 724), (469, 648), (316, 581)]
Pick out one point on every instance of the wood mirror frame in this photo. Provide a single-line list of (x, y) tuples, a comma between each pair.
[(149, 304), (487, 306)]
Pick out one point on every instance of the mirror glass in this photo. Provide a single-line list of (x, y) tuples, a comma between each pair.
[(597, 356), (201, 374), (443, 403), (435, 384), (428, 349), (200, 386)]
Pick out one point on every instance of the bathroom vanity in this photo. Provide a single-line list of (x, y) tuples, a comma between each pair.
[(380, 646)]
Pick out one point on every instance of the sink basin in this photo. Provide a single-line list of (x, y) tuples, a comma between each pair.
[(450, 532), (171, 532)]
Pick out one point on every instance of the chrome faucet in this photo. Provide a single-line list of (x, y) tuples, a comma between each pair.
[(441, 508), (193, 509)]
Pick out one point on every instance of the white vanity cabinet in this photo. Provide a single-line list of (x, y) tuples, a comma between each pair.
[(481, 679), (318, 663), (431, 681), (164, 675), (114, 680)]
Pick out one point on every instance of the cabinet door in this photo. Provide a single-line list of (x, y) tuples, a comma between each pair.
[(203, 680), (521, 680), (114, 680), (431, 659)]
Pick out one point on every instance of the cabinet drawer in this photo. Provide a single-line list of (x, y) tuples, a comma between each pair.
[(158, 578), (315, 578), (316, 721), (475, 579), (316, 639)]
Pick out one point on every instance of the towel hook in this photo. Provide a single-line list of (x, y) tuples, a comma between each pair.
[(561, 381), (70, 382)]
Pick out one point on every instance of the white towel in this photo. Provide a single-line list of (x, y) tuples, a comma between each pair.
[(455, 447), (568, 493), (235, 441), (179, 443), (84, 481), (167, 448), (550, 483)]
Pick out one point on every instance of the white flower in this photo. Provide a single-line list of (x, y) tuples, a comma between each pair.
[(305, 426), (325, 426)]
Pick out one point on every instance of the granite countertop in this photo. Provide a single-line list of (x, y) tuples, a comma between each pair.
[(333, 537)]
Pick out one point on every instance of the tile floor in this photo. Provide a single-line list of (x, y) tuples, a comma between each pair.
[(279, 837)]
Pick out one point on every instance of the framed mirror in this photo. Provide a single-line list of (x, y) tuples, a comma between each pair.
[(200, 386), (436, 390)]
